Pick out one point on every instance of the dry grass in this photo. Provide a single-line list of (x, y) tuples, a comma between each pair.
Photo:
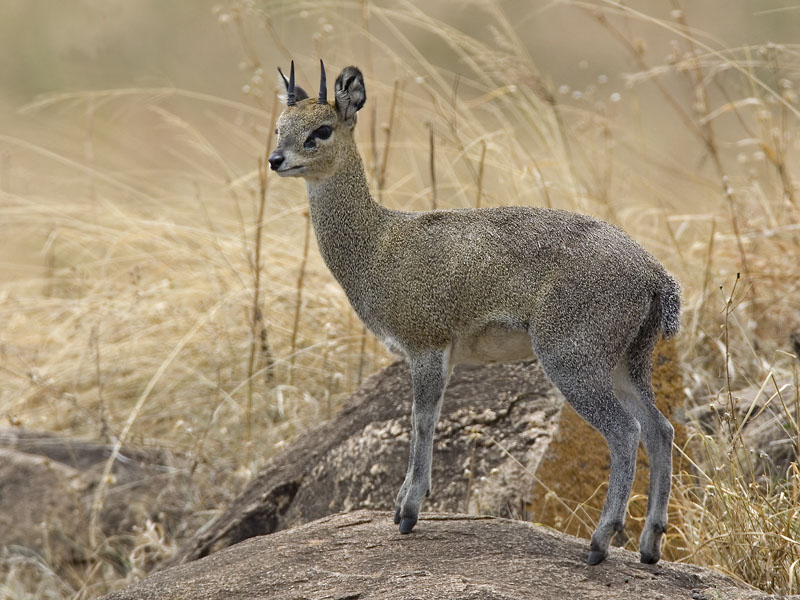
[(159, 291)]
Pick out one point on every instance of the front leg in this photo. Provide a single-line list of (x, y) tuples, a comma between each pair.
[(429, 374)]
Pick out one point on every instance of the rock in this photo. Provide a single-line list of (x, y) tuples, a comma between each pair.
[(491, 444), (761, 419), (361, 555), (82, 455), (40, 504), (496, 422), (47, 485)]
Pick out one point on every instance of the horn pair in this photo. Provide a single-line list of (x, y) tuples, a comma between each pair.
[(291, 98)]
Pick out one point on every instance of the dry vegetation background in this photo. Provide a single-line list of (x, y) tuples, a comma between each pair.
[(157, 289)]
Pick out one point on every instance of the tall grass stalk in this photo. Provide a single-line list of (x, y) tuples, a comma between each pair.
[(432, 165), (301, 274), (258, 329)]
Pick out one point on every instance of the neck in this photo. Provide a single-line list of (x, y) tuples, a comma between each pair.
[(347, 221)]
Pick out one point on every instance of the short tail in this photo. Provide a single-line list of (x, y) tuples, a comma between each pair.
[(669, 307)]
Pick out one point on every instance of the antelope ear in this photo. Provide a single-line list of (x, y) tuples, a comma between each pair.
[(299, 93), (350, 94)]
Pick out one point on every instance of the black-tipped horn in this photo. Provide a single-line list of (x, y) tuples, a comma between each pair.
[(323, 84), (294, 93), (291, 99)]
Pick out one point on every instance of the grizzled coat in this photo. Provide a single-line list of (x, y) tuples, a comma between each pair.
[(493, 284)]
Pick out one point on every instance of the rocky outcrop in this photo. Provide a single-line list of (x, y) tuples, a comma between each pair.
[(47, 485), (362, 556), (496, 422), (493, 455)]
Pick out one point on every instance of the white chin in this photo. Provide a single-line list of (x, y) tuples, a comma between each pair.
[(293, 172)]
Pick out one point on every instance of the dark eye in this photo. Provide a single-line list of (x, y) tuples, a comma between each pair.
[(323, 132), (320, 133)]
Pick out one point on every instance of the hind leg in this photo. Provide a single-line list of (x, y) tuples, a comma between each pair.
[(589, 390), (633, 384)]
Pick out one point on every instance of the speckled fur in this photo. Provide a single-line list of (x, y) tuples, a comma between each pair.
[(492, 284)]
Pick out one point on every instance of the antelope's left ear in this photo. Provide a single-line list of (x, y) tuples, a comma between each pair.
[(350, 94), (294, 93)]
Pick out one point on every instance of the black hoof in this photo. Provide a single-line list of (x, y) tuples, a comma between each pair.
[(650, 559), (597, 556), (407, 524), (397, 517)]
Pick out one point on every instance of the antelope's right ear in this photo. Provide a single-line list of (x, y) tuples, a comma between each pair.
[(350, 94)]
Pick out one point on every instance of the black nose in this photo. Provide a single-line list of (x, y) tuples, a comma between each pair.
[(275, 160)]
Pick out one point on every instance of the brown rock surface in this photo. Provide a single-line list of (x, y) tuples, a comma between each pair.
[(40, 502), (47, 484), (362, 556)]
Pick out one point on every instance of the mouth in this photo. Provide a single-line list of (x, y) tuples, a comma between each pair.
[(290, 171)]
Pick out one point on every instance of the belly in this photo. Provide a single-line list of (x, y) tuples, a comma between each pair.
[(493, 344)]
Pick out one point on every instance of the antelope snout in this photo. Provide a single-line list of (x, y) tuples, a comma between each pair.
[(276, 160)]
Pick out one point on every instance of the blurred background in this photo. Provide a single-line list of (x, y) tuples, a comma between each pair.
[(157, 287)]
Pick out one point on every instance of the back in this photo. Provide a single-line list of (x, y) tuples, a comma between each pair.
[(464, 268)]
